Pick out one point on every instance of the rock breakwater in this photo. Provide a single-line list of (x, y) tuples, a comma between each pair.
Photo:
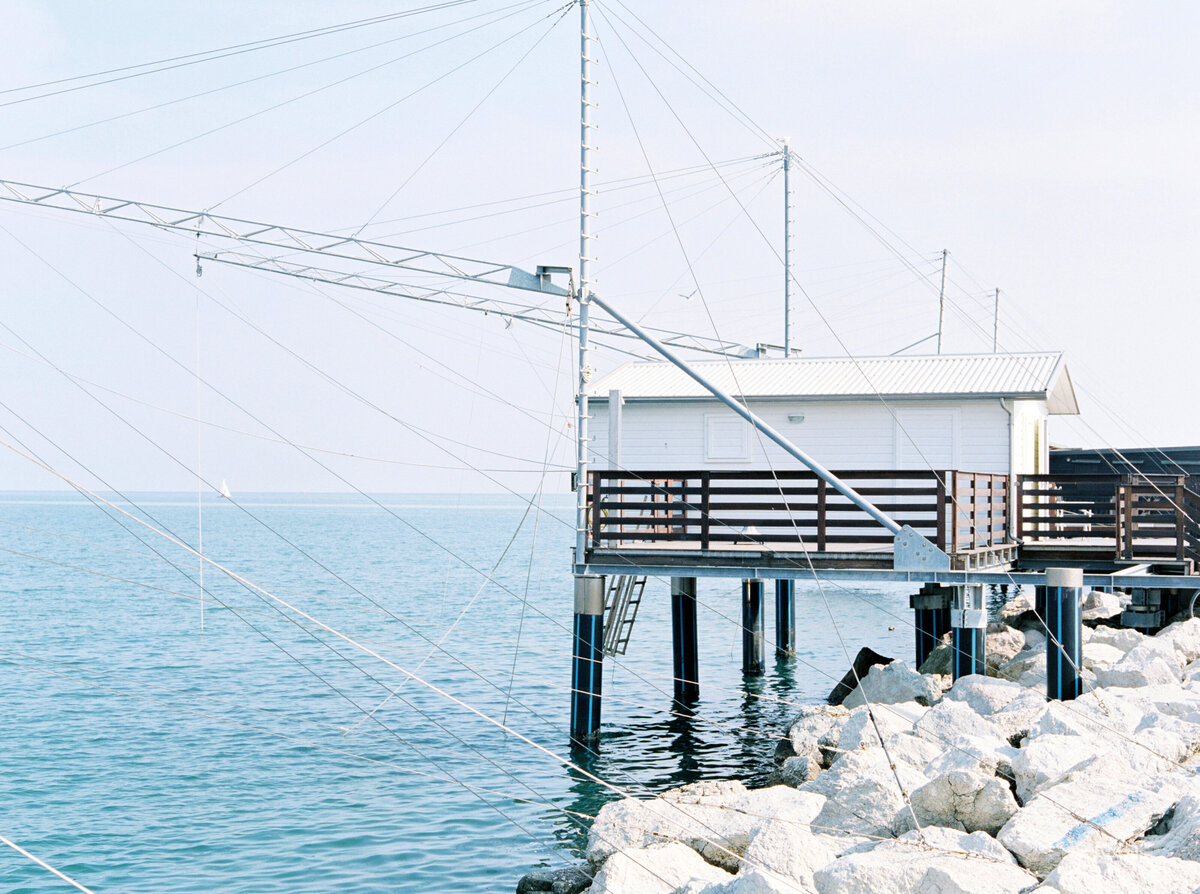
[(977, 787)]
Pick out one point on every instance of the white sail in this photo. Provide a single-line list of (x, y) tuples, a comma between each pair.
[(225, 490)]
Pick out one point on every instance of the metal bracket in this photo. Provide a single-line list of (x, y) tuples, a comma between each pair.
[(912, 552), (968, 618)]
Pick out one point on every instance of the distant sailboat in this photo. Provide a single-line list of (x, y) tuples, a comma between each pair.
[(225, 490)]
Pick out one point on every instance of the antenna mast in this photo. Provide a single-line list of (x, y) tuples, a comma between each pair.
[(585, 274), (942, 300), (996, 323), (787, 251)]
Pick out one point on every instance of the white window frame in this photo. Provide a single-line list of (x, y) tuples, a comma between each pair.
[(726, 418)]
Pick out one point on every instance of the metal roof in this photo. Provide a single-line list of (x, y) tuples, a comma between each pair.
[(1040, 375)]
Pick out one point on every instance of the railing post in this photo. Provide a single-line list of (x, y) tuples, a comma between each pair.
[(941, 510), (593, 513), (1018, 511), (954, 515), (705, 518), (1128, 508), (975, 510), (1179, 517), (822, 496)]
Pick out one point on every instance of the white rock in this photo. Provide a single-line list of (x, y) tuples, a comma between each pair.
[(947, 862), (1015, 718), (1047, 759), (891, 684), (985, 695), (1123, 638), (1028, 669), (859, 732), (984, 756), (1100, 656), (1099, 606), (1184, 636), (788, 849), (1099, 805), (1003, 645), (1090, 874), (1019, 604), (948, 719), (660, 869), (862, 794), (813, 723), (716, 819), (962, 799), (753, 881), (1182, 838), (797, 770), (1144, 665)]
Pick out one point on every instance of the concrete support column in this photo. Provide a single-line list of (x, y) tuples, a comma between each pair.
[(684, 638), (753, 638), (785, 618), (1064, 632), (968, 623), (931, 612), (588, 656)]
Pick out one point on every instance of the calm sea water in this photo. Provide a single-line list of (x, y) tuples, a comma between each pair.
[(140, 751)]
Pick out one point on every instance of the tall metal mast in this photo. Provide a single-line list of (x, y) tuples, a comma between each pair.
[(787, 251), (585, 273), (942, 300)]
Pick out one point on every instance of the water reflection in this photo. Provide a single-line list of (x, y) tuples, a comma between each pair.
[(709, 739)]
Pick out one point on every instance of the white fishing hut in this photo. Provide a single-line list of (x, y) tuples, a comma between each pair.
[(982, 412)]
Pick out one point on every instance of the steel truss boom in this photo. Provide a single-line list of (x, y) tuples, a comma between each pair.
[(546, 315), (275, 236), (340, 248)]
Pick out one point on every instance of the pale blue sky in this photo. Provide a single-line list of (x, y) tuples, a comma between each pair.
[(1050, 148)]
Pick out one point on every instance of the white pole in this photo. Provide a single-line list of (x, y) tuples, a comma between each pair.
[(585, 276), (942, 301), (787, 252), (996, 323)]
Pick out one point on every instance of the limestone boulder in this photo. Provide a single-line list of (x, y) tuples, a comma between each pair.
[(862, 794), (863, 727), (753, 881), (1100, 606), (1184, 637), (949, 719), (1081, 873), (934, 861), (984, 695), (1003, 644), (1098, 656), (965, 800), (815, 732), (892, 684), (1143, 665), (658, 869), (785, 849), (940, 661), (796, 770), (986, 756), (1046, 759), (1017, 717), (1094, 809), (716, 819), (1122, 638), (1180, 835)]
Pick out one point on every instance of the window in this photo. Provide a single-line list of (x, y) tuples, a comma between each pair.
[(726, 439)]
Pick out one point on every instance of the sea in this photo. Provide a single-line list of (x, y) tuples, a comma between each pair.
[(361, 694)]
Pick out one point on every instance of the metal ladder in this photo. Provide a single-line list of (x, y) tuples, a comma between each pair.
[(621, 604)]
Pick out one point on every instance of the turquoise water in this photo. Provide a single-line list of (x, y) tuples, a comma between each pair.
[(140, 752)]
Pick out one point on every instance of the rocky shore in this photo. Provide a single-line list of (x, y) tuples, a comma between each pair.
[(977, 787)]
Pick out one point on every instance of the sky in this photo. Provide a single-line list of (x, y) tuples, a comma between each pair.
[(1049, 148)]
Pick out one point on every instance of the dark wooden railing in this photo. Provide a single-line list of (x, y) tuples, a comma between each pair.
[(1143, 516), (958, 511)]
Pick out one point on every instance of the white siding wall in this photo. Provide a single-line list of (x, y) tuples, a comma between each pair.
[(971, 435), (1031, 450)]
